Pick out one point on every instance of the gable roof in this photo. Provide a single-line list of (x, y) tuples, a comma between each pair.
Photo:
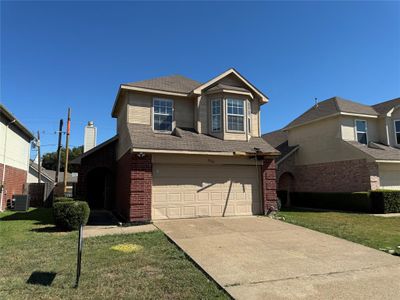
[(384, 107), (173, 83), (77, 160), (200, 88), (181, 86), (330, 107), (143, 137), (11, 118)]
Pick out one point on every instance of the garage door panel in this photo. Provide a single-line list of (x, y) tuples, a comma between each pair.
[(187, 191)]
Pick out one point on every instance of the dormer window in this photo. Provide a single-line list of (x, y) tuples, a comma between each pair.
[(361, 131), (235, 114), (397, 131), (216, 113), (162, 114)]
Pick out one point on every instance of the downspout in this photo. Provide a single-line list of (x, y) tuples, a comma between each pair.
[(4, 165)]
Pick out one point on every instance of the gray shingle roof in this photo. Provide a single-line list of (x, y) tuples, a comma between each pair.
[(173, 83), (279, 140), (385, 107), (330, 107), (377, 151), (142, 136)]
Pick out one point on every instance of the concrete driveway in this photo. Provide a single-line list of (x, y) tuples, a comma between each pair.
[(261, 258)]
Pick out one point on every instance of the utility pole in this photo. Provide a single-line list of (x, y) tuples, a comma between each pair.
[(39, 163), (67, 150), (59, 150)]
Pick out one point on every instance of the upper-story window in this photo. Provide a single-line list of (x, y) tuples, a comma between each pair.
[(397, 131), (361, 131), (216, 112), (162, 114), (235, 115)]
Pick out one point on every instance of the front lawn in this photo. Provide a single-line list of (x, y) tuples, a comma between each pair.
[(371, 231), (29, 243)]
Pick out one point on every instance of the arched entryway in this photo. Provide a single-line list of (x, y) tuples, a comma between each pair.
[(100, 187), (286, 184)]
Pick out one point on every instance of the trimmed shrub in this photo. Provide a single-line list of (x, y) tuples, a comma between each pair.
[(357, 202), (70, 214), (385, 201), (62, 199)]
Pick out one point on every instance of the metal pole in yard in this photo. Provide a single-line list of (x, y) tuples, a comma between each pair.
[(67, 150), (59, 150), (78, 263), (39, 163)]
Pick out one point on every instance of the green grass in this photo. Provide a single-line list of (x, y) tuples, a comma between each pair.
[(371, 231), (29, 243)]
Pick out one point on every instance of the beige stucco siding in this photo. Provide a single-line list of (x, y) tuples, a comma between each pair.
[(349, 132), (389, 174), (187, 191), (124, 141), (140, 109), (17, 149), (321, 142)]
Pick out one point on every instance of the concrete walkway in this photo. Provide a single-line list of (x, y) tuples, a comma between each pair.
[(91, 231), (261, 258)]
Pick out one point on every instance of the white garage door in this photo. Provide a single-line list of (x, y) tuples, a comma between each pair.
[(187, 191), (389, 176)]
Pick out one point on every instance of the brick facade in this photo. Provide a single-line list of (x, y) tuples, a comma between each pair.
[(140, 188), (269, 185), (13, 184), (134, 184), (341, 176)]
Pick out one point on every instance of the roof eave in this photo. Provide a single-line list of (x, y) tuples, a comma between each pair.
[(17, 123)]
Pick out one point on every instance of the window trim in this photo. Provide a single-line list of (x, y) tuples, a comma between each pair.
[(249, 119), (356, 131), (220, 114), (228, 114), (395, 132), (173, 115)]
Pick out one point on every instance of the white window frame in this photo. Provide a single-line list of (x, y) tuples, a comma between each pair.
[(356, 131), (153, 113), (395, 132), (220, 115), (237, 115), (248, 117)]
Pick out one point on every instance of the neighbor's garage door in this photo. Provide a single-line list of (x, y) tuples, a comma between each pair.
[(187, 191), (389, 176)]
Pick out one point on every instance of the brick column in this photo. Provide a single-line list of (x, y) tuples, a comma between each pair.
[(269, 185), (140, 188)]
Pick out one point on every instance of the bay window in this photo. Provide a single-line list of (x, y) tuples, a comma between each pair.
[(235, 114), (216, 112)]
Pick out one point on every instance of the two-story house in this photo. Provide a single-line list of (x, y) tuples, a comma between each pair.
[(15, 148), (340, 146), (183, 149)]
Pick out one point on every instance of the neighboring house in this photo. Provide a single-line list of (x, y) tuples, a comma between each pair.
[(15, 141), (49, 176), (33, 175), (340, 146), (183, 149)]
